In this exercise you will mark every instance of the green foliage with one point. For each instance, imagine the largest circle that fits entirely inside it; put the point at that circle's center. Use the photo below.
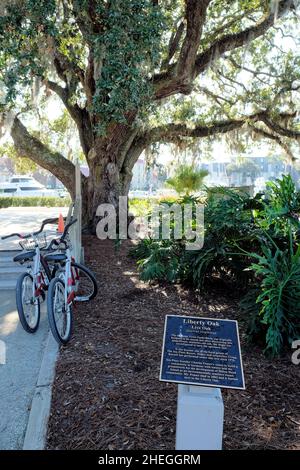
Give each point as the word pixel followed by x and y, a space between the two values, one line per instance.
pixel 161 260
pixel 281 206
pixel 278 273
pixel 187 179
pixel 36 201
pixel 125 52
pixel 142 206
pixel 251 242
pixel 139 206
pixel 21 165
pixel 228 224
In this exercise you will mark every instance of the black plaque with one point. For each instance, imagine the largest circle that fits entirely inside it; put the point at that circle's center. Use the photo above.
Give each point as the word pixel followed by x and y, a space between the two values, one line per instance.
pixel 202 351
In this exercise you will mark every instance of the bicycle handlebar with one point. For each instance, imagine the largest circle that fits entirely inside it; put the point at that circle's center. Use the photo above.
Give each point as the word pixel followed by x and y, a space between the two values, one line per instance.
pixel 56 242
pixel 67 228
pixel 45 222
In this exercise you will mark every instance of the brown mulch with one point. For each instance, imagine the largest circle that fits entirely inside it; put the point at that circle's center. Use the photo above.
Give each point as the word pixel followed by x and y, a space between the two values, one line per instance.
pixel 107 394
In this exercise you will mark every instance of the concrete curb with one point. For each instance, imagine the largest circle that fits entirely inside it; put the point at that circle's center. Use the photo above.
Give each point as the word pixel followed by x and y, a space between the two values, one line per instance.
pixel 36 432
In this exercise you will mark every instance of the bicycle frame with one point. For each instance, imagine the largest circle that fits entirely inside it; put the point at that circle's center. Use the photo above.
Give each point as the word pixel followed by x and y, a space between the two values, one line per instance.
pixel 39 268
pixel 70 279
pixel 40 281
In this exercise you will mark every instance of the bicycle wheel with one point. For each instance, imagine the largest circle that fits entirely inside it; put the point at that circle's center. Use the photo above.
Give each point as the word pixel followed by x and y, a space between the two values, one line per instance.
pixel 28 306
pixel 85 283
pixel 60 316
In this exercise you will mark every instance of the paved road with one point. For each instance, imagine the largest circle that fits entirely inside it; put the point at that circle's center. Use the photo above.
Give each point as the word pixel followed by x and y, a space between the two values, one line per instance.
pixel 24 220
pixel 18 376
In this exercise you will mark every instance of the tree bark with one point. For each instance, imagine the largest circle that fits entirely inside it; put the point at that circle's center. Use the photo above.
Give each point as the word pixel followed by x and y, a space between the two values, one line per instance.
pixel 111 161
pixel 29 146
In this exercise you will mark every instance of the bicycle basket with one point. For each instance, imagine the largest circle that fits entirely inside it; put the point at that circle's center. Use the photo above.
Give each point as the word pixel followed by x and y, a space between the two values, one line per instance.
pixel 32 243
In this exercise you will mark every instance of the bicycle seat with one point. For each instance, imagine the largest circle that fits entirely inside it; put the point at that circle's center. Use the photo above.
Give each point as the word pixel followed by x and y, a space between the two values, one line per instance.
pixel 25 256
pixel 55 257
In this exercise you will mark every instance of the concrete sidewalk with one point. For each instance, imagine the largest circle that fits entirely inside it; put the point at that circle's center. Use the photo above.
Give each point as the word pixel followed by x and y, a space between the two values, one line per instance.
pixel 18 376
pixel 24 351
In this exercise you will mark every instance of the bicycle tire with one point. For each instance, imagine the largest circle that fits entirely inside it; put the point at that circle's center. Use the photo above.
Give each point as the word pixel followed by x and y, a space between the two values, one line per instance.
pixel 20 308
pixel 51 313
pixel 92 277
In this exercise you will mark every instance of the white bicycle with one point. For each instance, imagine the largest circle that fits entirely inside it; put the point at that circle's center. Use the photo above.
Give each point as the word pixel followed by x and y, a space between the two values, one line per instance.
pixel 73 282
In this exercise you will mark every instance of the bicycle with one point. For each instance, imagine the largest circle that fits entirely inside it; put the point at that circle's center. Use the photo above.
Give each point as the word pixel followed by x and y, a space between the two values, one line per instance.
pixel 73 282
pixel 43 268
pixel 32 284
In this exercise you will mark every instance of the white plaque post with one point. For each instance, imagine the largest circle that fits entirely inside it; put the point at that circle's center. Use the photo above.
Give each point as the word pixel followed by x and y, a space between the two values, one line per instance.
pixel 200 413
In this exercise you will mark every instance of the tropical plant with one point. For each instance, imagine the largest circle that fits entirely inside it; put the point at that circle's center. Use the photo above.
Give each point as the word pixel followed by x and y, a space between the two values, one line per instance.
pixel 160 260
pixel 278 275
pixel 187 179
pixel 280 207
pixel 250 241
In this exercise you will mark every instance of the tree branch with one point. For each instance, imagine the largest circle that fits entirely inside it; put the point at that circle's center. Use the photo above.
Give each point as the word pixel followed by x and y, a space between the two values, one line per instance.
pixel 277 139
pixel 66 70
pixel 169 83
pixel 233 41
pixel 195 14
pixel 174 132
pixel 173 44
pixel 79 115
pixel 29 146
pixel 215 96
pixel 278 129
pixel 254 72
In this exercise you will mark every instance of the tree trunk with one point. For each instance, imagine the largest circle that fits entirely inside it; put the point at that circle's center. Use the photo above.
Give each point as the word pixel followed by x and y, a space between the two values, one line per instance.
pixel 105 184
pixel 111 161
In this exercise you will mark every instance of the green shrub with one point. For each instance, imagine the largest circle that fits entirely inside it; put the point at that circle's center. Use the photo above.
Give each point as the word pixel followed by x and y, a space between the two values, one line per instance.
pixel 37 201
pixel 278 301
pixel 162 261
pixel 140 206
pixel 250 241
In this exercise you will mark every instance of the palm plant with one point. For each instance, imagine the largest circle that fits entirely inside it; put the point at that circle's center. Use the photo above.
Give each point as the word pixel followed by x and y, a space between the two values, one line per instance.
pixel 187 180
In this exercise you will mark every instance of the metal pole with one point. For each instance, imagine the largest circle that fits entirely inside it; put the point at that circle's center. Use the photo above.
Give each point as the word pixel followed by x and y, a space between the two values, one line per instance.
pixel 78 204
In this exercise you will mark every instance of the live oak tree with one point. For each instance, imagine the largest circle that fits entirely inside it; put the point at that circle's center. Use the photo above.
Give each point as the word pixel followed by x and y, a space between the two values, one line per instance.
pixel 133 73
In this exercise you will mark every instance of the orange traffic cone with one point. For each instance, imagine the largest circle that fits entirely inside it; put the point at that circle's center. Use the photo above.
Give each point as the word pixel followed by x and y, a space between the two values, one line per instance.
pixel 61 224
